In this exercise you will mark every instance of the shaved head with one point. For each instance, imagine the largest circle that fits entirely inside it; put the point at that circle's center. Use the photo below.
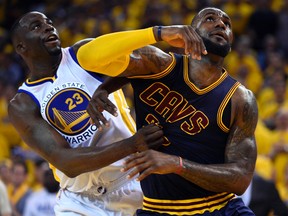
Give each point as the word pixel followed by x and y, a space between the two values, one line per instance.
pixel 203 12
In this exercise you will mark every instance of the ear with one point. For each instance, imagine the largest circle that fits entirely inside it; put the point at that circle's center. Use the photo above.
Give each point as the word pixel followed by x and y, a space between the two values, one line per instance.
pixel 20 48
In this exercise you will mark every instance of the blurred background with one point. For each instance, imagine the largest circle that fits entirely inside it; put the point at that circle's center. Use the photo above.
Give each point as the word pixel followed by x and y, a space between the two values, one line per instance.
pixel 259 60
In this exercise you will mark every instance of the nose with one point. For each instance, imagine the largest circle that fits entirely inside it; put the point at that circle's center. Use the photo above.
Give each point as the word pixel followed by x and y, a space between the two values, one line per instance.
pixel 220 23
pixel 48 27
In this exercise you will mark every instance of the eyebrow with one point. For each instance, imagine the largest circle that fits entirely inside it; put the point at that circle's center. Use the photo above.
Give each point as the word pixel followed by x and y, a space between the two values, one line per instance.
pixel 214 13
pixel 37 21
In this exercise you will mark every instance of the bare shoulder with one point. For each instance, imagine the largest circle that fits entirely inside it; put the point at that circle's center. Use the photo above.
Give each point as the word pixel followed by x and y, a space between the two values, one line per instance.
pixel 148 60
pixel 80 43
pixel 244 108
pixel 21 107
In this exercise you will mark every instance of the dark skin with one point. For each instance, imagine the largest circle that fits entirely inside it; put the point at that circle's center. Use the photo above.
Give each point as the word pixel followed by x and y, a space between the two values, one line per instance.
pixel 240 153
pixel 38 43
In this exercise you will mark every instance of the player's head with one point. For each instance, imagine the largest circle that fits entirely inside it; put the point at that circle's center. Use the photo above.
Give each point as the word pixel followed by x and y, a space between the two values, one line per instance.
pixel 33 34
pixel 214 27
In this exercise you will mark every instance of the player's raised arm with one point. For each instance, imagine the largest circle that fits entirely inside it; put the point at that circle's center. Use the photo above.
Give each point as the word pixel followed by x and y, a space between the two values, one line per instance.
pixel 101 55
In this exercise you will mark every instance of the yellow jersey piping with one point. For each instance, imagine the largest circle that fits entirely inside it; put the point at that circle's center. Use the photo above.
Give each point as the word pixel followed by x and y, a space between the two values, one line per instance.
pixel 223 105
pixel 193 86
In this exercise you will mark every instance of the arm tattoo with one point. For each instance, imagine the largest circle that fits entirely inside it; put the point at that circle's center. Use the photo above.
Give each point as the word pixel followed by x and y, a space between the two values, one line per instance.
pixel 235 174
pixel 147 60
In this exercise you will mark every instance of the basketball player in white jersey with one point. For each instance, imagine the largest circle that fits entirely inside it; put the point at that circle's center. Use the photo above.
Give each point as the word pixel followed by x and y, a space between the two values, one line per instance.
pixel 49 112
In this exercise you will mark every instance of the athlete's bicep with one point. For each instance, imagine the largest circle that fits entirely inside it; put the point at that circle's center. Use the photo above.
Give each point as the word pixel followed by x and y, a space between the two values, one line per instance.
pixel 241 145
pixel 24 114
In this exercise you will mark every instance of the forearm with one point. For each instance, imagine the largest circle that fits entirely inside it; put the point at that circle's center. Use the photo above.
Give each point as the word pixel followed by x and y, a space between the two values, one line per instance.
pixel 217 178
pixel 100 53
pixel 76 161
pixel 48 143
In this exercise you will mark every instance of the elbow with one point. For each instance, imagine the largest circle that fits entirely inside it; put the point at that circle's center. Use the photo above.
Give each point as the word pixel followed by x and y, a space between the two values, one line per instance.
pixel 69 171
pixel 240 190
pixel 66 166
pixel 70 174
pixel 242 185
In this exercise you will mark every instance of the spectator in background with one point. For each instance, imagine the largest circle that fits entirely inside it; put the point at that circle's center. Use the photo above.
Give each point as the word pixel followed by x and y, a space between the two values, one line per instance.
pixel 19 190
pixel 262 22
pixel 263 198
pixel 5 171
pixel 5 207
pixel 275 64
pixel 272 98
pixel 239 12
pixel 243 65
pixel 282 31
pixel 283 187
pixel 40 166
pixel 271 46
pixel 42 202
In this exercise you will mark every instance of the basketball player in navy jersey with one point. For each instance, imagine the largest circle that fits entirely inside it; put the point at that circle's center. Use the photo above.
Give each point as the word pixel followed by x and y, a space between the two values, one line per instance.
pixel 49 112
pixel 208 118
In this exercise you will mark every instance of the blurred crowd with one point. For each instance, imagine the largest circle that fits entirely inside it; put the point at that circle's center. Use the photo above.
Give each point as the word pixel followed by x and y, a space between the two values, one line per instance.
pixel 259 60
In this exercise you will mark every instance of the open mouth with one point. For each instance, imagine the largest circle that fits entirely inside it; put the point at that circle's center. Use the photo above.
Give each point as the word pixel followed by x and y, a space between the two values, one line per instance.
pixel 52 38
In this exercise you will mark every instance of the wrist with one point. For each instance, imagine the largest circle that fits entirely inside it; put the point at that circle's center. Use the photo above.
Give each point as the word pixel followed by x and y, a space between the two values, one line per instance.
pixel 158 33
pixel 180 166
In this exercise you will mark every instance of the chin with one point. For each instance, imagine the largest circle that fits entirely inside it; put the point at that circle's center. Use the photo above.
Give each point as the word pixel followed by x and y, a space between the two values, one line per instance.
pixel 56 51
pixel 216 48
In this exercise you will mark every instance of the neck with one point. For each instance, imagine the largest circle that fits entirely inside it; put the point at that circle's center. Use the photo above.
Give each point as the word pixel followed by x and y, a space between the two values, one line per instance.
pixel 42 68
pixel 206 71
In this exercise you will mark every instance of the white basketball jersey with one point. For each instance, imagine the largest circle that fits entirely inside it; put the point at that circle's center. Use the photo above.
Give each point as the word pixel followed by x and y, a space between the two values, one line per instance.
pixel 63 100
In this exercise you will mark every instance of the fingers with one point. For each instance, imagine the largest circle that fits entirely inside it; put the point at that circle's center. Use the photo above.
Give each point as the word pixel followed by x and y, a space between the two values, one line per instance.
pixel 98 103
pixel 96 116
pixel 153 136
pixel 151 128
pixel 109 106
pixel 194 44
pixel 139 164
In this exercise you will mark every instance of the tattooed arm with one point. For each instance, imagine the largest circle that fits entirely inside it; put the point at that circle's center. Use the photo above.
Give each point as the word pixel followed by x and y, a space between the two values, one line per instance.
pixel 236 174
pixel 147 60
pixel 240 155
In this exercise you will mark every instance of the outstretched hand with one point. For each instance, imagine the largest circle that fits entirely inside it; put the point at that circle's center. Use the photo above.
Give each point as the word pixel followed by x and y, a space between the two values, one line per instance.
pixel 98 103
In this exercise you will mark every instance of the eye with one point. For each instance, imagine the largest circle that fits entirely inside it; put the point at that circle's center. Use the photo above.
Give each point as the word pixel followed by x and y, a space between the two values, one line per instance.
pixel 50 22
pixel 36 26
pixel 228 24
pixel 209 18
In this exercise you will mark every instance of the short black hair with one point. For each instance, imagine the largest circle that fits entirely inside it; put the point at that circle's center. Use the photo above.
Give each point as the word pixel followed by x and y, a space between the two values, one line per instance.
pixel 14 29
pixel 21 162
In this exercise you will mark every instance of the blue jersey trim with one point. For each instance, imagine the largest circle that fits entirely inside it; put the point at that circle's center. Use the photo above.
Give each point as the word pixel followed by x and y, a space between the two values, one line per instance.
pixel 73 55
pixel 31 95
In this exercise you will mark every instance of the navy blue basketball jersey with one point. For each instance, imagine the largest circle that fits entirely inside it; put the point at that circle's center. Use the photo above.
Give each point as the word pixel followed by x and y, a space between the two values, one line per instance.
pixel 196 125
